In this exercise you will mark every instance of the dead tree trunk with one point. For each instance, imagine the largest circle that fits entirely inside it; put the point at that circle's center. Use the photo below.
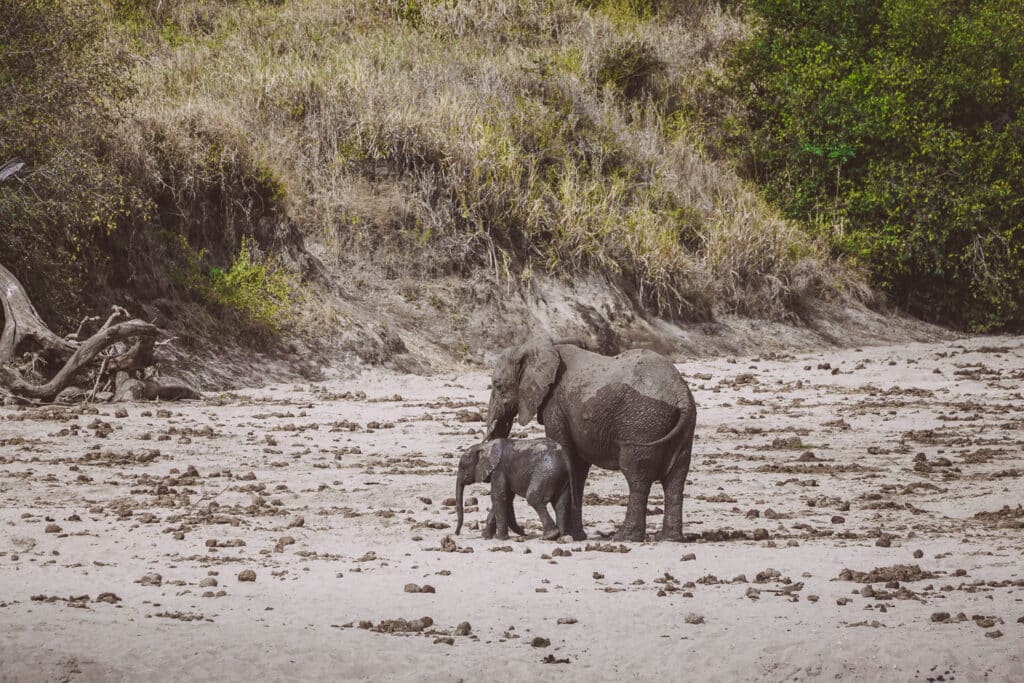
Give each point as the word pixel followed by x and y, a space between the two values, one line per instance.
pixel 24 330
pixel 22 323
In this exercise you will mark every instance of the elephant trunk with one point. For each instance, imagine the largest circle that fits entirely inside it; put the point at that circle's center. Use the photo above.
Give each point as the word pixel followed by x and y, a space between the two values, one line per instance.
pixel 460 485
pixel 499 418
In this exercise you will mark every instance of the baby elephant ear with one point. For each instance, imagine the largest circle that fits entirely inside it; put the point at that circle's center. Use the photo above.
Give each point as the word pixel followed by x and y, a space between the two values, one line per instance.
pixel 489 460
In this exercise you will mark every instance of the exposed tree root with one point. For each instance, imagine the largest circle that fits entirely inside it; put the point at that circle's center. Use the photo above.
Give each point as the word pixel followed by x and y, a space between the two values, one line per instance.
pixel 24 332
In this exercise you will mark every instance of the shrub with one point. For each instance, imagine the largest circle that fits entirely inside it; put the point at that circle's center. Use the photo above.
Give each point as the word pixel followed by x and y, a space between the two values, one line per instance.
pixel 60 86
pixel 895 128
pixel 254 291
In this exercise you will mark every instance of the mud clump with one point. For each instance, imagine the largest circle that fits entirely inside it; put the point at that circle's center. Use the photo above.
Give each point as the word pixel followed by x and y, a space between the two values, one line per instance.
pixel 1004 518
pixel 402 625
pixel 897 572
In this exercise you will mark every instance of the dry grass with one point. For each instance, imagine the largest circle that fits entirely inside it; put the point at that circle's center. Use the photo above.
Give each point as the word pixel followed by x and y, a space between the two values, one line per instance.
pixel 508 137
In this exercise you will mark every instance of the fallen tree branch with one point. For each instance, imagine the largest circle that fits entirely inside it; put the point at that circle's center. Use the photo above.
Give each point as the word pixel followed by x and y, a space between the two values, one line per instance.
pixel 82 356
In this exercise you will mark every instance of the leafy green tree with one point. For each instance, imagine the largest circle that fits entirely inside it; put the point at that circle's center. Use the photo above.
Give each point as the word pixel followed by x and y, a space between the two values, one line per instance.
pixel 896 128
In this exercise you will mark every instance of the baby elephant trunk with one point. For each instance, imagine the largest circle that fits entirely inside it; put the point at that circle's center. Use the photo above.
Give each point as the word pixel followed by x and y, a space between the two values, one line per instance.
pixel 460 485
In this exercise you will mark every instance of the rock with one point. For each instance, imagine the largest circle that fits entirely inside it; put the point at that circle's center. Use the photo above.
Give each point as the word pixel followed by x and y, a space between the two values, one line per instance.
pixel 753 593
pixel 109 598
pixel 688 557
pixel 994 634
pixel 166 388
pixel 693 618
pixel 296 521
pixel 463 629
pixel 465 415
pixel 883 541
pixel 838 519
pixel 208 582
pixel 152 579
pixel 70 395
pixel 448 503
pixel 427 588
pixel 940 616
pixel 812 598
pixel 448 545
pixel 566 620
pixel 842 601
pixel 411 588
pixel 760 535
pixel 444 640
pixel 247 575
pixel 918 554
pixel 53 529
pixel 540 642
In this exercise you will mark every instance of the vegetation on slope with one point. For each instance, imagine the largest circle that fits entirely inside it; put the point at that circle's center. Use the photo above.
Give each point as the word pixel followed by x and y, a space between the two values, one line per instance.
pixel 895 128
pixel 486 137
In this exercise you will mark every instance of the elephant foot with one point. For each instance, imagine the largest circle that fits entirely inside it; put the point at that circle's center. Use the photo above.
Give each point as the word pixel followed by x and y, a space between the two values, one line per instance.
pixel 501 536
pixel 634 535
pixel 671 536
pixel 551 534
pixel 487 534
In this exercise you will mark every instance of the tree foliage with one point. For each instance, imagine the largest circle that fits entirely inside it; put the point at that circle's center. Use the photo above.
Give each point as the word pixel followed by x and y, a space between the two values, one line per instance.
pixel 896 128
pixel 59 88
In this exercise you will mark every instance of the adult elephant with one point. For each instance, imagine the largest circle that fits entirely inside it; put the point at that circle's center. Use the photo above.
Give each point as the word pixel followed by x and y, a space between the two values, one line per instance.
pixel 631 412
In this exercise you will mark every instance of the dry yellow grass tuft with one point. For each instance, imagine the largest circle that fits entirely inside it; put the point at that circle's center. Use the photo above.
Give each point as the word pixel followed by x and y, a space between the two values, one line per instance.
pixel 508 137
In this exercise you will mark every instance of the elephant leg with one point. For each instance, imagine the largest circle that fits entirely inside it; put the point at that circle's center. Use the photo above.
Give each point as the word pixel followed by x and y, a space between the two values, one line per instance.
pixel 536 500
pixel 673 483
pixel 488 531
pixel 563 509
pixel 581 469
pixel 501 500
pixel 634 528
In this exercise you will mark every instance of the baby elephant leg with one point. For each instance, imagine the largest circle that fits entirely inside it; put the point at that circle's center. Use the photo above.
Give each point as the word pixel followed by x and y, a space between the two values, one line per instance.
pixel 501 503
pixel 488 531
pixel 538 503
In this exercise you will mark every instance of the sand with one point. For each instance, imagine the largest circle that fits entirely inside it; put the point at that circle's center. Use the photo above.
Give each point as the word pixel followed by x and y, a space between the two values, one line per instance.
pixel 810 472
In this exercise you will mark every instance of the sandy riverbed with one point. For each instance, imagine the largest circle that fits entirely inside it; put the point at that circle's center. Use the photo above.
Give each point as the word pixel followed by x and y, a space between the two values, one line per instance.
pixel 887 456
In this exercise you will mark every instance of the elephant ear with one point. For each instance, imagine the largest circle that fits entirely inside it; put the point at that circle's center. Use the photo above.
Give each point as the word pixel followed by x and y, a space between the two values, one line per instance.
pixel 538 363
pixel 489 460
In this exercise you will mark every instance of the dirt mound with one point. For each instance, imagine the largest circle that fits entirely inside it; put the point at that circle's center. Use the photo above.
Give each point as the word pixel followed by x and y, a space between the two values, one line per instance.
pixel 897 572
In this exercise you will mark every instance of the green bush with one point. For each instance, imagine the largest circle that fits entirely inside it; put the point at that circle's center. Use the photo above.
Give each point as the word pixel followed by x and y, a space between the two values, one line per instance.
pixel 60 86
pixel 896 129
pixel 254 292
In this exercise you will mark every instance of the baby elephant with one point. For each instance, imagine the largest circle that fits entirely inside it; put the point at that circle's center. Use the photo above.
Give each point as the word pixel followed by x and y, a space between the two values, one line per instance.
pixel 536 469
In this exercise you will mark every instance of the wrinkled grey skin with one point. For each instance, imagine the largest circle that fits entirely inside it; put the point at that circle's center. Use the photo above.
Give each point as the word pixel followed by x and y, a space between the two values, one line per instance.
pixel 536 469
pixel 631 412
